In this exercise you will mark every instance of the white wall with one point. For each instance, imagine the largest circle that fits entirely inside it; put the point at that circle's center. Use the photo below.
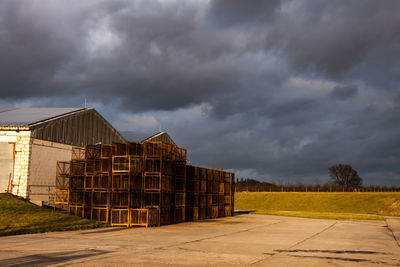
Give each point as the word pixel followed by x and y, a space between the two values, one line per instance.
pixel 6 165
pixel 42 171
pixel 22 141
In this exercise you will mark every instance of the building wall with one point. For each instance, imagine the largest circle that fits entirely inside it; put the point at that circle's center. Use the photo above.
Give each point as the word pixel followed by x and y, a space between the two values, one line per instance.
pixel 22 148
pixel 42 172
pixel 6 165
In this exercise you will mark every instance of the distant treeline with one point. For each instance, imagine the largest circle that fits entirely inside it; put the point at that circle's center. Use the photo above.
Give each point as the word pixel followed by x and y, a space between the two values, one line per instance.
pixel 251 185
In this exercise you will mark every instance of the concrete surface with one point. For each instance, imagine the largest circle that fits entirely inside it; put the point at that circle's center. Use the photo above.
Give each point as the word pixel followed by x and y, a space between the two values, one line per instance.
pixel 257 240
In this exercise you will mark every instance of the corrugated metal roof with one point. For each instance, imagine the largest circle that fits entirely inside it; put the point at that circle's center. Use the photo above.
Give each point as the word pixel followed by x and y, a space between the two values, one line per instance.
pixel 26 116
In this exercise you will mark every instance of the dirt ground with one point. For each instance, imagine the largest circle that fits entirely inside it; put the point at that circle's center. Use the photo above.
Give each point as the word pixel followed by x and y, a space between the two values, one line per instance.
pixel 244 240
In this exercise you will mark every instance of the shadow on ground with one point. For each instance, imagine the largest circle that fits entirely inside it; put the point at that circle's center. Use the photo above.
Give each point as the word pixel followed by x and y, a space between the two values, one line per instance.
pixel 50 258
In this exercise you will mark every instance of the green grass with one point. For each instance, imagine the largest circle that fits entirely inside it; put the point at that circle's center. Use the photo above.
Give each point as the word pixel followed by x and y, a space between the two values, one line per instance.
pixel 321 205
pixel 18 216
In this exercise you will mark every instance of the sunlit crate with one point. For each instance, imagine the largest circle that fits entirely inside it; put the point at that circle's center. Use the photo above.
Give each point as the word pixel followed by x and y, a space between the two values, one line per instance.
pixel 63 169
pixel 120 199
pixel 92 151
pixel 100 198
pixel 153 217
pixel 139 217
pixel 77 182
pixel 120 181
pixel 61 196
pixel 135 149
pixel 88 181
pixel 228 210
pixel 221 188
pixel 101 181
pixel 62 182
pixel 126 164
pixel 152 165
pixel 76 197
pixel 119 217
pixel 76 210
pixel 152 181
pixel 100 214
pixel 167 167
pixel 168 151
pixel 180 155
pixel 227 200
pixel 152 149
pixel 78 153
pixel 120 149
pixel 78 167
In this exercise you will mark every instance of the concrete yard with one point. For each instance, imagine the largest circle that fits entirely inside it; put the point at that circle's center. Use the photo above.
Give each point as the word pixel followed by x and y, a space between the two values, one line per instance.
pixel 258 240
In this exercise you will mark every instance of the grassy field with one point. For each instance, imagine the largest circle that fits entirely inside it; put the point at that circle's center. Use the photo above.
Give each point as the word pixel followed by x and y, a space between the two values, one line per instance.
pixel 321 205
pixel 21 217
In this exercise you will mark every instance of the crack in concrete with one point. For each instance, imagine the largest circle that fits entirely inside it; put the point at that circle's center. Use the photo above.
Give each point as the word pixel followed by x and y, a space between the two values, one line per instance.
pixel 298 243
pixel 392 233
pixel 217 236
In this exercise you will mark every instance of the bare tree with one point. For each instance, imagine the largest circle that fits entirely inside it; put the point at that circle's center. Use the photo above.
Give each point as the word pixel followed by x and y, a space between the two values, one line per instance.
pixel 345 176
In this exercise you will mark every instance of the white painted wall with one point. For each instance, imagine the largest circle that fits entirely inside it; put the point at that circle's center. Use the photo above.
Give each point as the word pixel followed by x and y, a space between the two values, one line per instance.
pixel 6 165
pixel 42 171
pixel 22 141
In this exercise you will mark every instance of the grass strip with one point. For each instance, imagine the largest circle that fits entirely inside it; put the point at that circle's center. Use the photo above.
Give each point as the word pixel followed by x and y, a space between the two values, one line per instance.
pixel 321 215
pixel 18 216
pixel 324 205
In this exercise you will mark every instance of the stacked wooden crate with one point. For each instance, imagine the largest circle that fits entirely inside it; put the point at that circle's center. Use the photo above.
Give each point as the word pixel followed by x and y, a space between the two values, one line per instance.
pixel 140 184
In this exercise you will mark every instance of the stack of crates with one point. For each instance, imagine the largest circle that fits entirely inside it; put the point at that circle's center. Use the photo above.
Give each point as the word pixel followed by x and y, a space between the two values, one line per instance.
pixel 192 193
pixel 62 188
pixel 126 183
pixel 203 197
pixel 140 184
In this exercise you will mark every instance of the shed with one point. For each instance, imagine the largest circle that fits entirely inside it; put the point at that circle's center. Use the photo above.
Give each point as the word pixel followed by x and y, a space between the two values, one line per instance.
pixel 33 139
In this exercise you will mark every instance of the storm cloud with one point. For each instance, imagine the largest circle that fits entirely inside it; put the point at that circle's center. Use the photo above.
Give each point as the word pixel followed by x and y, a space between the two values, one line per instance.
pixel 273 90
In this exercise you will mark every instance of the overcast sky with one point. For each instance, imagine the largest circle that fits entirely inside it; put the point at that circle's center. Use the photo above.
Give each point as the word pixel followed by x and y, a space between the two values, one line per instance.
pixel 273 90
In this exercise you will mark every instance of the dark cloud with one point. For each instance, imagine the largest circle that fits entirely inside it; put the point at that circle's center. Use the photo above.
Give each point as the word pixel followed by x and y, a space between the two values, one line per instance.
pixel 271 89
pixel 237 12
pixel 344 92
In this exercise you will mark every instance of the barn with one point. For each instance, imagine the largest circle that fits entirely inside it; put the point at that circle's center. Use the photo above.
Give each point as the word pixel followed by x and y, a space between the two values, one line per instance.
pixel 33 139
